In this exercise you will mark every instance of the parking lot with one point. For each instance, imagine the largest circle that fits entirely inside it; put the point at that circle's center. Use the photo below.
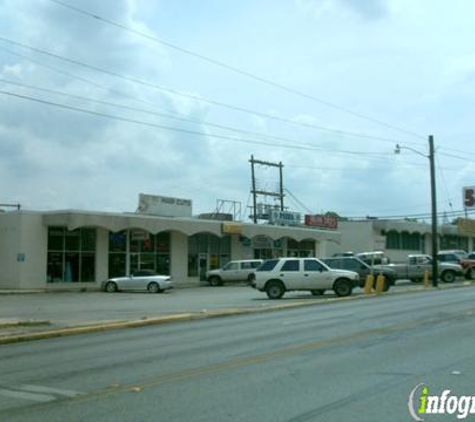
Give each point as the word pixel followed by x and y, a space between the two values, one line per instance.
pixel 36 312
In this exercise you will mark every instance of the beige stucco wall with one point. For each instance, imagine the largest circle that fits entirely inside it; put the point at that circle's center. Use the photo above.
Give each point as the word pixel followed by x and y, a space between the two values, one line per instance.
pixel 9 246
pixel 22 234
pixel 179 260
pixel 355 237
pixel 102 255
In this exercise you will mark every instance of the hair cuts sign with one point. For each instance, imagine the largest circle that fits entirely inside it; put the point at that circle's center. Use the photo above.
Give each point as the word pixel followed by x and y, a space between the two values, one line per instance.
pixel 164 206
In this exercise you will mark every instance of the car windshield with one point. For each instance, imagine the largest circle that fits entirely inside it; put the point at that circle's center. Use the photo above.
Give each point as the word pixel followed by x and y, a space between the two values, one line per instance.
pixel 268 265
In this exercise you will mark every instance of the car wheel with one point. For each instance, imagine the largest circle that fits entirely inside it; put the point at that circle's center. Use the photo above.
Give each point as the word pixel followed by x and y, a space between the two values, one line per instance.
pixel 250 278
pixel 215 281
pixel 275 289
pixel 318 292
pixel 448 277
pixel 470 274
pixel 342 288
pixel 153 287
pixel 111 287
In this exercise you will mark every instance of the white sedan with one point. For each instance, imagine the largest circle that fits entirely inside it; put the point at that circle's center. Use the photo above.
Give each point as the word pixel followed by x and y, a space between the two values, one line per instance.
pixel 144 280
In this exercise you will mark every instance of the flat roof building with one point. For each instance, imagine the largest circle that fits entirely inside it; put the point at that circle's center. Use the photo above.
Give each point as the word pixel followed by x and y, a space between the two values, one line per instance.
pixel 74 249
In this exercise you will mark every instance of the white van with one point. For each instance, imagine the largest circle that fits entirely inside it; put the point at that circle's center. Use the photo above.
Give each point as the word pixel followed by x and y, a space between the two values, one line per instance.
pixel 233 271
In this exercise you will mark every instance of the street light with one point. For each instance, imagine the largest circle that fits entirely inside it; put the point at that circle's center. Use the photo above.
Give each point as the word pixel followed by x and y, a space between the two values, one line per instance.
pixel 433 194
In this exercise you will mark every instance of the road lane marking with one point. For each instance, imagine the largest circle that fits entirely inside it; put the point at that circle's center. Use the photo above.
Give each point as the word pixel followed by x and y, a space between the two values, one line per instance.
pixel 37 393
pixel 54 391
pixel 26 396
pixel 318 319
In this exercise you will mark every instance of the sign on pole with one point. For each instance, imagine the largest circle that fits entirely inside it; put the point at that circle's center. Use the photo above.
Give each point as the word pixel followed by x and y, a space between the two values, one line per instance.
pixel 469 197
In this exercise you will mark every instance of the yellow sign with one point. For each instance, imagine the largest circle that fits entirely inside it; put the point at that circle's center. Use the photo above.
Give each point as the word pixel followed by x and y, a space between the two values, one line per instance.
pixel 232 228
pixel 466 227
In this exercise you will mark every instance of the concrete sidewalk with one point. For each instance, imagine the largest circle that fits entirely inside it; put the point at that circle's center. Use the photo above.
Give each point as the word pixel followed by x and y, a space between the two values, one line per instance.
pixel 29 316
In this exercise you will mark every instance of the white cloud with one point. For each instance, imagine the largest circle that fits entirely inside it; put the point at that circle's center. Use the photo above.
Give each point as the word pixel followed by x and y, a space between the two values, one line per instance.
pixel 375 58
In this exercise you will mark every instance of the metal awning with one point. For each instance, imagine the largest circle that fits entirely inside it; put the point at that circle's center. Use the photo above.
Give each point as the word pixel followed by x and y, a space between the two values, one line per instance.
pixel 115 222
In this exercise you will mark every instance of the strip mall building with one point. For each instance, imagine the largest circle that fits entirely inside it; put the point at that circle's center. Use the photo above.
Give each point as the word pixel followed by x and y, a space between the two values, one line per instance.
pixel 70 249
pixel 57 250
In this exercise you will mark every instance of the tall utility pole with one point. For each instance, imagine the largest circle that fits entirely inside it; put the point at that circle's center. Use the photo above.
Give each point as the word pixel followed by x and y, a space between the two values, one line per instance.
pixel 433 192
pixel 254 196
pixel 433 199
pixel 280 195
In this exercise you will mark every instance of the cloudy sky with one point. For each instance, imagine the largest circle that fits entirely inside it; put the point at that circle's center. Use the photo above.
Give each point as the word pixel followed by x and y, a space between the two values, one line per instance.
pixel 172 97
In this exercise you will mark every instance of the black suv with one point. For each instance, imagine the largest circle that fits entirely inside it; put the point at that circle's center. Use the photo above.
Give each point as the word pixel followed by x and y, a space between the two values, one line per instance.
pixel 362 268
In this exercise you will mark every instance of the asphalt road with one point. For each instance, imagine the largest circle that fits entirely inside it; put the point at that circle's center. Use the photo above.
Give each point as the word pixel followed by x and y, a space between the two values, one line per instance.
pixel 347 361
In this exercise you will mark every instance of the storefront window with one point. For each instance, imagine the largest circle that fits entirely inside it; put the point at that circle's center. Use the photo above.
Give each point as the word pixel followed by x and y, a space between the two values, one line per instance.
pixel 393 240
pixel 71 255
pixel 411 241
pixel 136 249
pixel 454 242
pixel 302 249
pixel 206 251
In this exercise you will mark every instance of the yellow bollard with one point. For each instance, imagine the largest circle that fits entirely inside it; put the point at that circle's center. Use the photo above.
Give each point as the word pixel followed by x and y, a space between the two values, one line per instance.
pixel 369 284
pixel 426 278
pixel 380 280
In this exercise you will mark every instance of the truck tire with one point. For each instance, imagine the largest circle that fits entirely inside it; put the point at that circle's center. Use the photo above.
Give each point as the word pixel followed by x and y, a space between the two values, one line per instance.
pixel 470 274
pixel 416 280
pixel 215 281
pixel 275 289
pixel 342 287
pixel 448 276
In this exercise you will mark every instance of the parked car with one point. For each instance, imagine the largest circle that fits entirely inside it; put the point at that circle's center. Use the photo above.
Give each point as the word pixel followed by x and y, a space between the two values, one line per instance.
pixel 417 264
pixel 362 268
pixel 338 254
pixel 277 276
pixel 457 256
pixel 233 271
pixel 142 280
pixel 373 258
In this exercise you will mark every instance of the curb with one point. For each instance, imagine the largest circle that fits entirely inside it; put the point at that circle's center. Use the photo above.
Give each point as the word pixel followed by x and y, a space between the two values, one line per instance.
pixel 144 322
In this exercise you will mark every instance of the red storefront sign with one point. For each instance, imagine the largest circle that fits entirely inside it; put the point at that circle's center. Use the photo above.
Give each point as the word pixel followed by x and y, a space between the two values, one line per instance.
pixel 321 221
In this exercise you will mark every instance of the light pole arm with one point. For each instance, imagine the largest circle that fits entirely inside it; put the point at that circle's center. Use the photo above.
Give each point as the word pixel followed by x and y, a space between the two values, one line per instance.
pixel 433 195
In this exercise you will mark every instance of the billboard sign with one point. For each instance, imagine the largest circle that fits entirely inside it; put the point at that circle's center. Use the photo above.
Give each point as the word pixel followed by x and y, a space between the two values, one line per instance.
pixel 285 218
pixel 321 221
pixel 164 206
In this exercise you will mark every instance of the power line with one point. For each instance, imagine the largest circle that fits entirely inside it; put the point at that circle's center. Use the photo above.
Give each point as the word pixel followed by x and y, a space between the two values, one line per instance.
pixel 455 156
pixel 185 95
pixel 453 214
pixel 154 113
pixel 444 184
pixel 305 147
pixel 298 201
pixel 235 69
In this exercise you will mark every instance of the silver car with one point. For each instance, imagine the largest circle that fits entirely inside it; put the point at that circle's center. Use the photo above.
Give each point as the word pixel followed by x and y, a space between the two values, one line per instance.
pixel 143 280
